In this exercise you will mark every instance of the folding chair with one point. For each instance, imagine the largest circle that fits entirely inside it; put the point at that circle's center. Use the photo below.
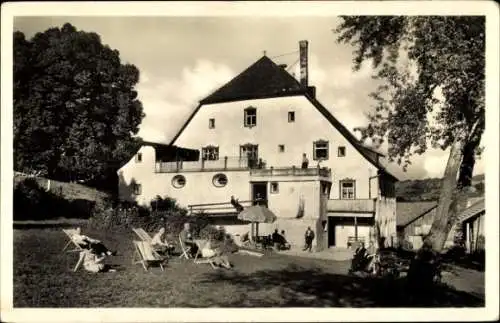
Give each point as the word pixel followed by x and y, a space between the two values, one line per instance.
pixel 70 233
pixel 185 249
pixel 143 235
pixel 198 259
pixel 147 256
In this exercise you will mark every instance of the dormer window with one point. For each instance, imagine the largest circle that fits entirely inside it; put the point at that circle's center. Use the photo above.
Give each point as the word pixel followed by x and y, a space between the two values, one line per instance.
pixel 211 123
pixel 320 150
pixel 210 153
pixel 291 116
pixel 250 117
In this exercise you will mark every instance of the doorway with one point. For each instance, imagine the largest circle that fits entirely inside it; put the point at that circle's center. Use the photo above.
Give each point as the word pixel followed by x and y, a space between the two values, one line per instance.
pixel 259 193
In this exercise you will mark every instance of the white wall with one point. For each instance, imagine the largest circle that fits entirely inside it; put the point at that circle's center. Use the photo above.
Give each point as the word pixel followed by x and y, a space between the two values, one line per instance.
pixel 274 129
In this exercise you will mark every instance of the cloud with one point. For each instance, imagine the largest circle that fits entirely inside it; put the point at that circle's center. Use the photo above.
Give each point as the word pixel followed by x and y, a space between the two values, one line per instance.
pixel 168 101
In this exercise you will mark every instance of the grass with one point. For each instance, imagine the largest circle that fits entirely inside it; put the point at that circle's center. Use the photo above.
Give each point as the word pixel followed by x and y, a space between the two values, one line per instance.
pixel 43 277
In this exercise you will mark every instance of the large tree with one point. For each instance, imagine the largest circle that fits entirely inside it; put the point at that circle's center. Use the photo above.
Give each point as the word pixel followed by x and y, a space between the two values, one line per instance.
pixel 76 110
pixel 425 65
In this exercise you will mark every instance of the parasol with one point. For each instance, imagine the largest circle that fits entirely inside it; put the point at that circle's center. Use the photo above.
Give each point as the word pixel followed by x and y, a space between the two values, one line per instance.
pixel 257 214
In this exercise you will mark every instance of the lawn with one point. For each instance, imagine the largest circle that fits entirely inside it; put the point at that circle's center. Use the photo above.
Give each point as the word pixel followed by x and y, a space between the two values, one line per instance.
pixel 43 277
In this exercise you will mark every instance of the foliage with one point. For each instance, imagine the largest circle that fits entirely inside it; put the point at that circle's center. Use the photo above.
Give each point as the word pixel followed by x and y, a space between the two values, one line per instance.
pixel 75 106
pixel 162 204
pixel 425 64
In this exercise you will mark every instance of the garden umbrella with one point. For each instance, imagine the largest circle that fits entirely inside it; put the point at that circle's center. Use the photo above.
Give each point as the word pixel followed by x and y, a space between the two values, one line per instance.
pixel 257 214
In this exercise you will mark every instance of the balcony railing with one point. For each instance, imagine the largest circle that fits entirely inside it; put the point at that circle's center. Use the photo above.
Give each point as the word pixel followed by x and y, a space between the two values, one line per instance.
pixel 222 208
pixel 291 171
pixel 225 163
pixel 360 205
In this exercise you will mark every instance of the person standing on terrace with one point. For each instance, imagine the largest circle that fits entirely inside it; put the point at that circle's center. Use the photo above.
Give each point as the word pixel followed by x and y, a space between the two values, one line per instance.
pixel 305 161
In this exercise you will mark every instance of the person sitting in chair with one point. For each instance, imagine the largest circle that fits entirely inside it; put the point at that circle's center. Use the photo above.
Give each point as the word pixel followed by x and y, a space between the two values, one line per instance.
pixel 88 243
pixel 236 204
pixel 279 241
pixel 92 262
pixel 219 258
pixel 159 244
pixel 372 256
pixel 187 239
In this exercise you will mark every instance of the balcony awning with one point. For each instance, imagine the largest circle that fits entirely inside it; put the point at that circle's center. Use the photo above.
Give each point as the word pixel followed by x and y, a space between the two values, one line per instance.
pixel 171 153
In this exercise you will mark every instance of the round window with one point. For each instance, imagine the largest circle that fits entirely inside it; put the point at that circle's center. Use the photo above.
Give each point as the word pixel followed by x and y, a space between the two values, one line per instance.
pixel 220 180
pixel 178 181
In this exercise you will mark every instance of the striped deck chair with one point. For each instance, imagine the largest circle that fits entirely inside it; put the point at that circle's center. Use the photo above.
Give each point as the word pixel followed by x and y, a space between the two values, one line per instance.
pixel 143 235
pixel 70 233
pixel 184 249
pixel 198 259
pixel 146 255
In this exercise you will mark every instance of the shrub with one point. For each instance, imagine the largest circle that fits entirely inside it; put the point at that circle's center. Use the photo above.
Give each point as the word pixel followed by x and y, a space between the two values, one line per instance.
pixel 166 204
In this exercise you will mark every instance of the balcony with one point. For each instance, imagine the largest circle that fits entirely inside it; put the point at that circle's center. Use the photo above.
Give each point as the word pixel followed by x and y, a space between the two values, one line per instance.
pixel 355 206
pixel 225 163
pixel 291 171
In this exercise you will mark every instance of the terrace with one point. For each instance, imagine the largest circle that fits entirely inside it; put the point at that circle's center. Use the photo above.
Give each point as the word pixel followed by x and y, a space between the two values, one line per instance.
pixel 225 163
pixel 238 163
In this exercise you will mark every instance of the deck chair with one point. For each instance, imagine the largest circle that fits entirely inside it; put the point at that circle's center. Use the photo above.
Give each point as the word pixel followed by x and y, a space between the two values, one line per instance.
pixel 70 233
pixel 184 249
pixel 198 259
pixel 143 235
pixel 146 255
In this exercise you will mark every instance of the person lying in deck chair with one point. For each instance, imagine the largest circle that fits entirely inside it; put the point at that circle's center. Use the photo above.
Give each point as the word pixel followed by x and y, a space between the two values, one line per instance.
pixel 88 243
pixel 218 257
pixel 159 244
pixel 92 262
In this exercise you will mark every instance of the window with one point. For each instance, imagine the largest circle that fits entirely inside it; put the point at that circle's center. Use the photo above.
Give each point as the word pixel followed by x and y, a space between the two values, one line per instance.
pixel 291 116
pixel 274 187
pixel 137 189
pixel 347 189
pixel 219 180
pixel 341 152
pixel 210 153
pixel 320 151
pixel 249 151
pixel 178 181
pixel 281 148
pixel 211 123
pixel 250 117
pixel 138 158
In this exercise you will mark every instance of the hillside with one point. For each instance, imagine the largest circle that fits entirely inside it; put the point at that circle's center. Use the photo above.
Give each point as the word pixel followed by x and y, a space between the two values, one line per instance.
pixel 68 191
pixel 428 189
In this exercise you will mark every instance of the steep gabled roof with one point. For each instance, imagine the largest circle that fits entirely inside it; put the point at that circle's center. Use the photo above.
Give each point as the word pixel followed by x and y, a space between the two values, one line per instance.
pixel 262 79
pixel 265 79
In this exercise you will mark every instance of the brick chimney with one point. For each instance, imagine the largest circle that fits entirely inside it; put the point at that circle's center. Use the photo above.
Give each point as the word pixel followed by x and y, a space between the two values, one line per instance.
pixel 304 73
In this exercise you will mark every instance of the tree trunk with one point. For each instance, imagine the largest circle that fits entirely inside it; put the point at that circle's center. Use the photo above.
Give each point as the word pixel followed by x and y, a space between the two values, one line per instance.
pixel 467 166
pixel 448 204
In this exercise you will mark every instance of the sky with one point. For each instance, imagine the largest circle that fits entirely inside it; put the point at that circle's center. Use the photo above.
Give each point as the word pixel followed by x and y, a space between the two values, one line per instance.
pixel 183 59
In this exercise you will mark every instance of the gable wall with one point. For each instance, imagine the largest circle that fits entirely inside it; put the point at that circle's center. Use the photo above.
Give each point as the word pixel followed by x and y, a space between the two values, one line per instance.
pixel 274 129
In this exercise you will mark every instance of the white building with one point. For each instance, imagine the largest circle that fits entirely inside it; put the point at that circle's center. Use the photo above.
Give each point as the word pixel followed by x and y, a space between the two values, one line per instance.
pixel 252 134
